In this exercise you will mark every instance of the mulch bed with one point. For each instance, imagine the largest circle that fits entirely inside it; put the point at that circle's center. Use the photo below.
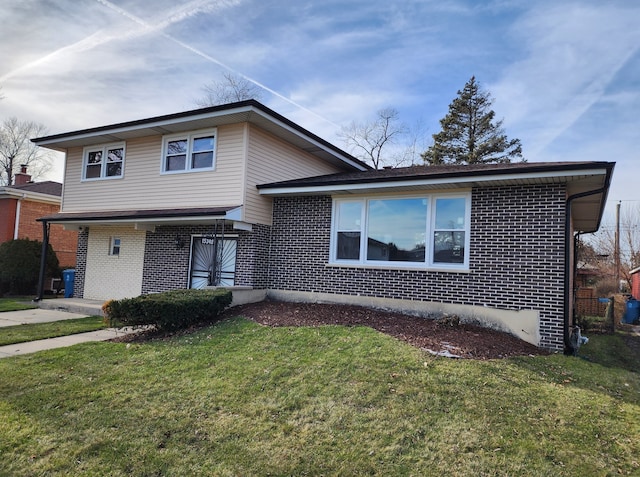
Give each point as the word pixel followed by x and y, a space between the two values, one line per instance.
pixel 441 336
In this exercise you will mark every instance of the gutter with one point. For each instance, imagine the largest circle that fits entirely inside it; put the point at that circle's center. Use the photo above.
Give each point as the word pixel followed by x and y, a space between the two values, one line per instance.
pixel 568 268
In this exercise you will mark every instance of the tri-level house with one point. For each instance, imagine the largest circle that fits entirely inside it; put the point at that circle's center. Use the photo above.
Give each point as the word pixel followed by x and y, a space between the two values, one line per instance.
pixel 239 196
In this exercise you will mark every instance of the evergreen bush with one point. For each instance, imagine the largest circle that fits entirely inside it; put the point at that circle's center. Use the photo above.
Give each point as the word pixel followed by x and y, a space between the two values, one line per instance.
pixel 169 311
pixel 20 266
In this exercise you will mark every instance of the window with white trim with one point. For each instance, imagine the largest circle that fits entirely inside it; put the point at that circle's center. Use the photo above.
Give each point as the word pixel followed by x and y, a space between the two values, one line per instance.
pixel 114 246
pixel 414 231
pixel 189 152
pixel 103 162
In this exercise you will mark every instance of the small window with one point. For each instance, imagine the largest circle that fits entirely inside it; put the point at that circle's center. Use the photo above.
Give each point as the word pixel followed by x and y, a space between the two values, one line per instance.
pixel 449 230
pixel 189 152
pixel 103 162
pixel 114 249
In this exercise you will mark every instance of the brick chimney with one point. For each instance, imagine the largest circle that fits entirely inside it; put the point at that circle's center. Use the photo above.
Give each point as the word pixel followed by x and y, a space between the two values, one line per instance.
pixel 21 177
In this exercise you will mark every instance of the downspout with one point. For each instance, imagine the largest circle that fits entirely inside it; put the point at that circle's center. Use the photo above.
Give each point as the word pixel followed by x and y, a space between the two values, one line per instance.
pixel 43 259
pixel 16 226
pixel 568 348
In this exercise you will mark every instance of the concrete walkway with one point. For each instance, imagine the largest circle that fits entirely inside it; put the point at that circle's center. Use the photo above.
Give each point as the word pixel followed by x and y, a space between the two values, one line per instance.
pixel 37 315
pixel 62 341
pixel 40 315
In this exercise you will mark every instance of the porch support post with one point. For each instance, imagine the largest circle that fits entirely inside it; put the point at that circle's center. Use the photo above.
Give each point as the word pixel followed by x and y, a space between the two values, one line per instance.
pixel 43 259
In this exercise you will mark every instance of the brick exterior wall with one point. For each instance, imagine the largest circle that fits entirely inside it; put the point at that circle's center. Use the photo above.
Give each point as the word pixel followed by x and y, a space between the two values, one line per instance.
pixel 167 268
pixel 81 264
pixel 7 219
pixel 516 257
pixel 64 242
pixel 114 276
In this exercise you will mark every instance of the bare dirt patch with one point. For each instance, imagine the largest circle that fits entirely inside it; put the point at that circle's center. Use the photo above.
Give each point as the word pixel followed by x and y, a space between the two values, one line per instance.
pixel 441 336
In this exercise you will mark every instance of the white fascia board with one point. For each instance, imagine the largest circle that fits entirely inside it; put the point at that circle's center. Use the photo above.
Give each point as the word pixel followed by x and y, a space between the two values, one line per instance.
pixel 144 125
pixel 34 196
pixel 425 182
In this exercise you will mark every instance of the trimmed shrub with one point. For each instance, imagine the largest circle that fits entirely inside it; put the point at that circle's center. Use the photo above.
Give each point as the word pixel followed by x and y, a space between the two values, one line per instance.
pixel 20 266
pixel 169 311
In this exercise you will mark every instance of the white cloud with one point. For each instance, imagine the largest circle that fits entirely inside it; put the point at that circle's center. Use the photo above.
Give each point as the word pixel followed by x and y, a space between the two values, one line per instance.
pixel 573 54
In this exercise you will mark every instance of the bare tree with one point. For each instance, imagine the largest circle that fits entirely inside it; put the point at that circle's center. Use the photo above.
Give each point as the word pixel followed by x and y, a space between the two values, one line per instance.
pixel 230 89
pixel 368 140
pixel 604 241
pixel 16 149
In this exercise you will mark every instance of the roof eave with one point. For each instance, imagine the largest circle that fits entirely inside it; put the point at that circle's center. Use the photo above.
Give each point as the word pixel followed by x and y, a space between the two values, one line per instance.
pixel 27 195
pixel 398 183
pixel 250 111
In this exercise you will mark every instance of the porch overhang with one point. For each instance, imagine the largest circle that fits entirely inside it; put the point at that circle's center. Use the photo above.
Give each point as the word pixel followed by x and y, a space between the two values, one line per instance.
pixel 146 219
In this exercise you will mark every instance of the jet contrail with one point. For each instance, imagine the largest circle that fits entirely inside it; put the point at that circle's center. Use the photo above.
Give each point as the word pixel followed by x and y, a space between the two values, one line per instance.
pixel 162 25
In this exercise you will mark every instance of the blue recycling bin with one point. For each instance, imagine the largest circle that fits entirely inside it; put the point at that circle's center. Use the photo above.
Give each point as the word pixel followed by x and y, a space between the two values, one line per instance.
pixel 632 313
pixel 68 277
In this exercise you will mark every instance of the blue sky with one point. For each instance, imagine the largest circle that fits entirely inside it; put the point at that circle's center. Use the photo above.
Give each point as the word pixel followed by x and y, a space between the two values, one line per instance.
pixel 564 75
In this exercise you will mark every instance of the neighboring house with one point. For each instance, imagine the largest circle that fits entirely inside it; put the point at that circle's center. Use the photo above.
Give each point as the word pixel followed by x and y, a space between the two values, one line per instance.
pixel 635 283
pixel 23 203
pixel 237 195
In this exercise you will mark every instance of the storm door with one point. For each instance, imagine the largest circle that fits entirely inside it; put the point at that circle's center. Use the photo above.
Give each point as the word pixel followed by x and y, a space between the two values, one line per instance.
pixel 213 262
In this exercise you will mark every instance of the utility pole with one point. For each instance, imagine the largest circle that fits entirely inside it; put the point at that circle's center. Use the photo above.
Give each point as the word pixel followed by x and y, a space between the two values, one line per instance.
pixel 617 246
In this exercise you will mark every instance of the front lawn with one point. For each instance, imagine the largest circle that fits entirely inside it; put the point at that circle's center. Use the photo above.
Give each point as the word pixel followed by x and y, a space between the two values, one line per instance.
pixel 241 399
pixel 39 331
pixel 15 304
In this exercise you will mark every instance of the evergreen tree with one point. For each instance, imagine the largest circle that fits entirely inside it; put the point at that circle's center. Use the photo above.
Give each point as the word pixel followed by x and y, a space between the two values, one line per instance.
pixel 469 134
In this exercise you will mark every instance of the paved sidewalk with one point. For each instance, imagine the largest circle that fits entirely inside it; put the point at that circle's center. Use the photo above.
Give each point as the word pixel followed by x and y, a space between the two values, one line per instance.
pixel 39 315
pixel 63 341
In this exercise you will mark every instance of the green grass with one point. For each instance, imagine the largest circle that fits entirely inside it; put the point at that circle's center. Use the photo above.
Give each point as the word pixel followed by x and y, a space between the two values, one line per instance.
pixel 39 331
pixel 14 304
pixel 241 399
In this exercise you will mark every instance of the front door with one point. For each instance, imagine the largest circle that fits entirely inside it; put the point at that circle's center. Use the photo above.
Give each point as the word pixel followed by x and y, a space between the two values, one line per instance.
pixel 213 262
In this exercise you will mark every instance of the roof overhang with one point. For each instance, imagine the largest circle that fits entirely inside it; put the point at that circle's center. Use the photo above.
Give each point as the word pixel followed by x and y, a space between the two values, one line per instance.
pixel 579 178
pixel 10 193
pixel 250 111
pixel 145 219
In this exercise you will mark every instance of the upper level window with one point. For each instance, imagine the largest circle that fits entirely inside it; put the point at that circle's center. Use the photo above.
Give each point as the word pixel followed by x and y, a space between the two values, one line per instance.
pixel 429 230
pixel 189 152
pixel 103 162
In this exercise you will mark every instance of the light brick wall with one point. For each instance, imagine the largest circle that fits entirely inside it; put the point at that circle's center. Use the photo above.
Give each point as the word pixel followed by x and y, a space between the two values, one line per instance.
pixel 114 276
pixel 516 257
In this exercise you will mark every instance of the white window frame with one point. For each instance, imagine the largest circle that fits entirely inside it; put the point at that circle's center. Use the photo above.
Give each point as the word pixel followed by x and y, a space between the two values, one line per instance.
pixel 115 242
pixel 102 148
pixel 429 233
pixel 189 137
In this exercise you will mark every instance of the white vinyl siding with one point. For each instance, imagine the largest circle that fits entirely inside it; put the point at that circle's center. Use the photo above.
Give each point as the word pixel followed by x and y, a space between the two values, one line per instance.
pixel 144 187
pixel 271 160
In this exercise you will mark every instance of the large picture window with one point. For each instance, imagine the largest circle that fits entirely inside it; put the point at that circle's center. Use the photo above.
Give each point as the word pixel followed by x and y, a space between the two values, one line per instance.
pixel 189 152
pixel 423 231
pixel 103 162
